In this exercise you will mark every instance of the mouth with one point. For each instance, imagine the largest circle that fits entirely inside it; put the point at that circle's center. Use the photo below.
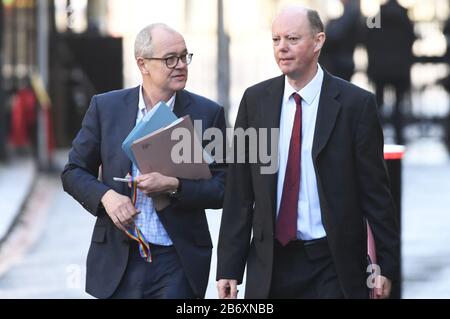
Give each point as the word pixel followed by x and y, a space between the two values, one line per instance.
pixel 285 60
pixel 179 76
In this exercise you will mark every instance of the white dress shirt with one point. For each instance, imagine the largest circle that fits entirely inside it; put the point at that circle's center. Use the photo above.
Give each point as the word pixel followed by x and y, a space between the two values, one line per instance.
pixel 309 221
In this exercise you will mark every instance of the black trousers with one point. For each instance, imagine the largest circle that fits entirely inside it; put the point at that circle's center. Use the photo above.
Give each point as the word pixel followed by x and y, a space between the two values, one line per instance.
pixel 163 278
pixel 304 269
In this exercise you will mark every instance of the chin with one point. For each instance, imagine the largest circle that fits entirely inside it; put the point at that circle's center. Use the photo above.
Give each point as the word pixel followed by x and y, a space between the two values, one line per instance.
pixel 179 86
pixel 285 70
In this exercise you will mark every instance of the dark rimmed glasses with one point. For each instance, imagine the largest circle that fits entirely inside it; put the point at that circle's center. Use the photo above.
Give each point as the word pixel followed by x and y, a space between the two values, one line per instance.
pixel 172 61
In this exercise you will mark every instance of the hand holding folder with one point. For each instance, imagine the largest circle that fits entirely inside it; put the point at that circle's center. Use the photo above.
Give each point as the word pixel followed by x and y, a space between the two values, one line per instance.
pixel 149 146
pixel 154 152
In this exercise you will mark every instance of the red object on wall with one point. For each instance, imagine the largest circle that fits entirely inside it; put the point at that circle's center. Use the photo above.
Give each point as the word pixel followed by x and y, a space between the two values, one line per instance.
pixel 23 117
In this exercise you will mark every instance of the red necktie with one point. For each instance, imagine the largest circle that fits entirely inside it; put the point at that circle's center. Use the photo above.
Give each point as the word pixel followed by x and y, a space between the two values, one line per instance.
pixel 286 228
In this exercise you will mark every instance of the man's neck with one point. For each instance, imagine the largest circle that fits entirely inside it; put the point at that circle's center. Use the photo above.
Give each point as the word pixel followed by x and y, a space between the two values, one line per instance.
pixel 153 96
pixel 302 80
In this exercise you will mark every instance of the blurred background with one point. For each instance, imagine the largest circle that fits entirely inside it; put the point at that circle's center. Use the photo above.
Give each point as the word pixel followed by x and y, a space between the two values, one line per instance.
pixel 56 54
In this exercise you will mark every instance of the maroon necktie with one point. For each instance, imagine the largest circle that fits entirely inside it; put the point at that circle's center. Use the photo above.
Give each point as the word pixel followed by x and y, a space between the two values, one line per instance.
pixel 286 228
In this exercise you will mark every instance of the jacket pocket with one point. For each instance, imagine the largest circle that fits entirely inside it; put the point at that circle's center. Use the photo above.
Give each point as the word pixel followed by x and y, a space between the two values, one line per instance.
pixel 99 234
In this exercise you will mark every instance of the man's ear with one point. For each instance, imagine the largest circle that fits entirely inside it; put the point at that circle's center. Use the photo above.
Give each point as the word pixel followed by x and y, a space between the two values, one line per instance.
pixel 141 65
pixel 320 40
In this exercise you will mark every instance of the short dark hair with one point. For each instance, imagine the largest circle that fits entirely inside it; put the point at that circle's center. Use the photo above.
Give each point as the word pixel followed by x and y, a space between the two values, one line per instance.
pixel 315 22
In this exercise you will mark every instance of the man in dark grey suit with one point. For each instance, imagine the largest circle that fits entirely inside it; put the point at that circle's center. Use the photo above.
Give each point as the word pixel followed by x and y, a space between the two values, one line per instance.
pixel 309 219
pixel 178 236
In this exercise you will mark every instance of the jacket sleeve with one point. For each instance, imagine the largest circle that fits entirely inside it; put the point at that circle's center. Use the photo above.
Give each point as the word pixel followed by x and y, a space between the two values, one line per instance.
pixel 236 223
pixel 80 175
pixel 375 196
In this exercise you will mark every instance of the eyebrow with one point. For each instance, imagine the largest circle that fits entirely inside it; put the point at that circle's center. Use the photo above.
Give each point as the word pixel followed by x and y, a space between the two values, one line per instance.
pixel 286 35
pixel 175 53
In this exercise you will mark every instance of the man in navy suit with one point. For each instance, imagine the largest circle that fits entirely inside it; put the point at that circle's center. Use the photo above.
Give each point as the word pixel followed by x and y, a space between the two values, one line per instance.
pixel 308 220
pixel 178 235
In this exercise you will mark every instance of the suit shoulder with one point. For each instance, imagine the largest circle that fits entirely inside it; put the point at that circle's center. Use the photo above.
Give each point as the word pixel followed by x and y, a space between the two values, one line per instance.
pixel 110 100
pixel 264 84
pixel 351 89
pixel 115 94
pixel 203 102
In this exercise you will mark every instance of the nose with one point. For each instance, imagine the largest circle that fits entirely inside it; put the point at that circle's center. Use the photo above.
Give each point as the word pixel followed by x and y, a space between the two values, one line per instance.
pixel 282 45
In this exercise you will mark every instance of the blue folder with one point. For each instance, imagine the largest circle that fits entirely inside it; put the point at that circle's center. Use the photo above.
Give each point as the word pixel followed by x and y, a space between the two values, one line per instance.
pixel 160 116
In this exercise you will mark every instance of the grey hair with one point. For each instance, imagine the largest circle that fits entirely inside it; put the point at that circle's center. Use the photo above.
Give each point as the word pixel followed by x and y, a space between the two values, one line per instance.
pixel 315 22
pixel 143 43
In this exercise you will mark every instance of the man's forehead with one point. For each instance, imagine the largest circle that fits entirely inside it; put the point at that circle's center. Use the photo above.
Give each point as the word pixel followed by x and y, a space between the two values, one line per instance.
pixel 293 10
pixel 291 16
pixel 168 42
pixel 290 23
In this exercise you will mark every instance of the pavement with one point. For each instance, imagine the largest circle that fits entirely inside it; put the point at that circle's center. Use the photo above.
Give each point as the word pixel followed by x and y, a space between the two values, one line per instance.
pixel 52 264
pixel 16 179
pixel 426 221
pixel 53 231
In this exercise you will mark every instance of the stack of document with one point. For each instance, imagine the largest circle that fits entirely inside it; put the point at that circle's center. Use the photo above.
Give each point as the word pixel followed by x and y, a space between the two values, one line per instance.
pixel 160 116
pixel 150 147
pixel 161 151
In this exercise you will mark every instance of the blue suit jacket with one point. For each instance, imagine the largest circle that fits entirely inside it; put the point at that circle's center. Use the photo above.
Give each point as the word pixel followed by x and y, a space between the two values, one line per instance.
pixel 109 119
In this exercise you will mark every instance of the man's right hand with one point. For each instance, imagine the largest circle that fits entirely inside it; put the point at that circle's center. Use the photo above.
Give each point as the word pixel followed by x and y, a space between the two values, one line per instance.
pixel 119 208
pixel 227 288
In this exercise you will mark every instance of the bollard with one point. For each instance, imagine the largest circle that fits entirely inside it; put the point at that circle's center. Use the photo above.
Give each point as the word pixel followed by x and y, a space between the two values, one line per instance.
pixel 393 155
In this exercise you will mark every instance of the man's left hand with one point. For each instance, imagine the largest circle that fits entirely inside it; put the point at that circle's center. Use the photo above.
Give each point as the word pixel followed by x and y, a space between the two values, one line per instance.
pixel 382 287
pixel 156 183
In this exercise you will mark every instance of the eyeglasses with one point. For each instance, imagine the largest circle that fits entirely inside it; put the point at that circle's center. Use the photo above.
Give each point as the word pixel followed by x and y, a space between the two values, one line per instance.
pixel 172 61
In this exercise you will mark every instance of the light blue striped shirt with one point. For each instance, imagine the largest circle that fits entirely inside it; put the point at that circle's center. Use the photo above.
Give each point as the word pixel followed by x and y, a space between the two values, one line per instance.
pixel 148 221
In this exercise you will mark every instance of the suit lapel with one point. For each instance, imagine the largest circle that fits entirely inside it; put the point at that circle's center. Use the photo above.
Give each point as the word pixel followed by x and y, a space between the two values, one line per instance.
pixel 327 114
pixel 126 115
pixel 270 114
pixel 182 102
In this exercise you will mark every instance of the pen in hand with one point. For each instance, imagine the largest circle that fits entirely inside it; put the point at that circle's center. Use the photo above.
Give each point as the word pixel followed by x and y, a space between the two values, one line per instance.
pixel 123 180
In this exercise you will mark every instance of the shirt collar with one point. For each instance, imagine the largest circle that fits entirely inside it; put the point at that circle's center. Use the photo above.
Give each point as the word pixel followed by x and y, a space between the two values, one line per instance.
pixel 309 92
pixel 142 106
